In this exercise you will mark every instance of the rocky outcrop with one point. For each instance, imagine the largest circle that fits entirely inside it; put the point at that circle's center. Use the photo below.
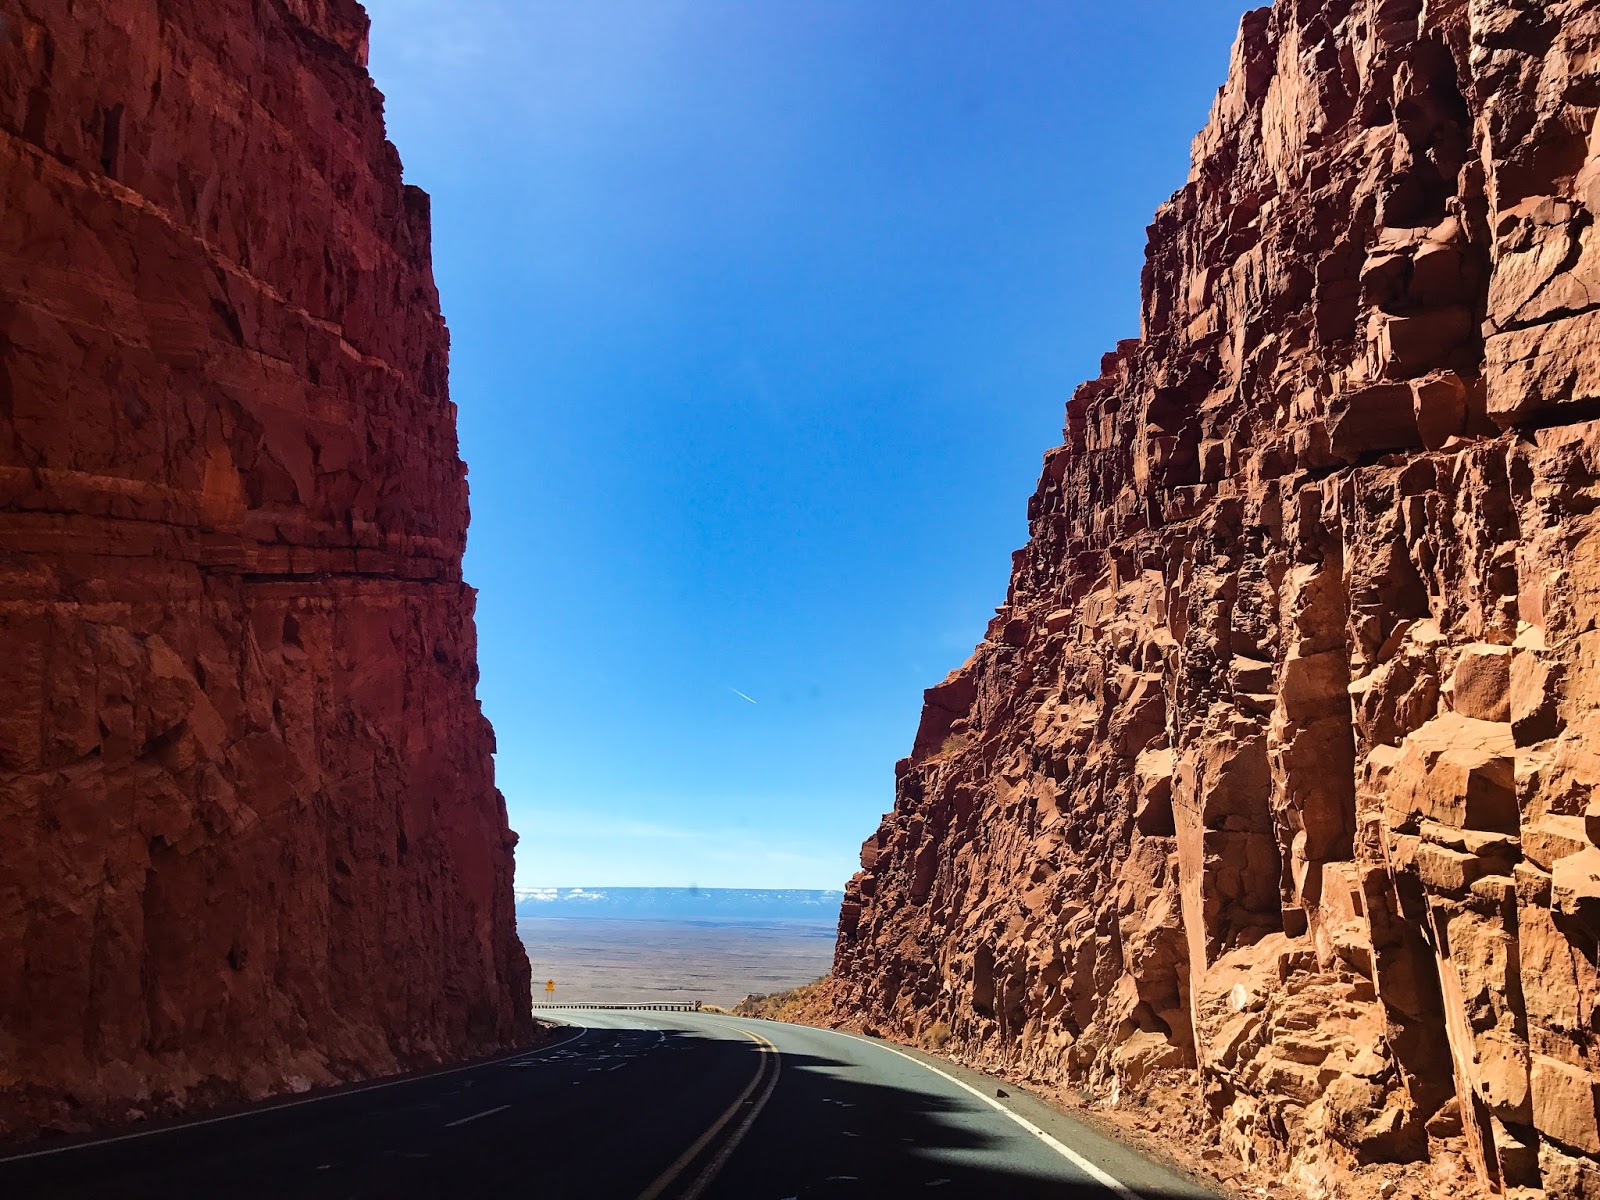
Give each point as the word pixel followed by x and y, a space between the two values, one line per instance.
pixel 1277 763
pixel 252 839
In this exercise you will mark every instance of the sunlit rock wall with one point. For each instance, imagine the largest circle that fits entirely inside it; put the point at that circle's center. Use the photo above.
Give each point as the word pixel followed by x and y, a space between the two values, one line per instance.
pixel 1278 759
pixel 251 834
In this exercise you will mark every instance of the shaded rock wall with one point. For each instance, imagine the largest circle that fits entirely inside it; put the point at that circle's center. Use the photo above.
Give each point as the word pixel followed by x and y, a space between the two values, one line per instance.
pixel 252 838
pixel 1277 761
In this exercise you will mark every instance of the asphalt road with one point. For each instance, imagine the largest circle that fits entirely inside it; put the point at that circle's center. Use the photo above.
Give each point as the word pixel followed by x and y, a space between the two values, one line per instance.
pixel 637 1106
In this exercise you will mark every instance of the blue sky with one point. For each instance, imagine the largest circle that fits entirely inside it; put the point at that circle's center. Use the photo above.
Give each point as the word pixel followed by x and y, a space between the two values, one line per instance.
pixel 763 315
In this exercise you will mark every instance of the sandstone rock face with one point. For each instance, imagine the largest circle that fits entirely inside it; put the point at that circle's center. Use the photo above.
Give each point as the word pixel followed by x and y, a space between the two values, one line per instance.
pixel 252 839
pixel 1278 760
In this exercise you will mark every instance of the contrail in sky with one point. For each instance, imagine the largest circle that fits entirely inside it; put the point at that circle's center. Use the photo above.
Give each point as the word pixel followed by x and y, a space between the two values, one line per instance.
pixel 740 694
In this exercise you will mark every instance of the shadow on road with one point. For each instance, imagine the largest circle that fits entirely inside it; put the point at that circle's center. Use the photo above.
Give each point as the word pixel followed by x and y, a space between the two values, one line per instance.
pixel 828 1133
pixel 596 1121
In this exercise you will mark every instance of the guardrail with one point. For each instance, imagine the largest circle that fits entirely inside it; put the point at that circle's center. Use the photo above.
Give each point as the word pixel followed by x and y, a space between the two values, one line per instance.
pixel 680 1006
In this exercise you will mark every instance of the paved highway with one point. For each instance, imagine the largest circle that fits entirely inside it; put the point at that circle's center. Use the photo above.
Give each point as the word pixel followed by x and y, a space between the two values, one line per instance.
pixel 637 1106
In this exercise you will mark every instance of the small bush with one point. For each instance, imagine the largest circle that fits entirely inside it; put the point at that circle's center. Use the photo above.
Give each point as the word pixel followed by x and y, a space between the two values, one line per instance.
pixel 780 1006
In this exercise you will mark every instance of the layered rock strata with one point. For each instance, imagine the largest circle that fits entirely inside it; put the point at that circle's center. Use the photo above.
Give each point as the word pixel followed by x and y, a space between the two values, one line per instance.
pixel 1278 762
pixel 252 839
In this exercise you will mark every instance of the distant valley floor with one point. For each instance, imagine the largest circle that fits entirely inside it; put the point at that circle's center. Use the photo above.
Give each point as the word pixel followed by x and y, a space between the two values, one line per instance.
pixel 611 961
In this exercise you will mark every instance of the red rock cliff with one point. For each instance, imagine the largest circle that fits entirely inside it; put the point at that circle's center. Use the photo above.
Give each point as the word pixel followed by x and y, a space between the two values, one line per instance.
pixel 1278 760
pixel 252 839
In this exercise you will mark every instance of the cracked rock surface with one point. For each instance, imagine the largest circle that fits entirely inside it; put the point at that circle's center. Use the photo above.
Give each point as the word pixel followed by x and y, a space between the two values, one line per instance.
pixel 253 841
pixel 1277 765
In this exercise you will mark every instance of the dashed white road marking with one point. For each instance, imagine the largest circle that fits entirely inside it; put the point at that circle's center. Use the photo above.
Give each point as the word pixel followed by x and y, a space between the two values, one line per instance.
pixel 296 1103
pixel 488 1112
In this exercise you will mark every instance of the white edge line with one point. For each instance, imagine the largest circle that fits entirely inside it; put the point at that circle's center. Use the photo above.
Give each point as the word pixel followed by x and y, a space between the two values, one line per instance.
pixel 1066 1152
pixel 488 1112
pixel 283 1104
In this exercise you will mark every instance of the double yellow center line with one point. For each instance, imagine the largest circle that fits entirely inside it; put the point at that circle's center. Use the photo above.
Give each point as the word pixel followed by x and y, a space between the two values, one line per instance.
pixel 766 1074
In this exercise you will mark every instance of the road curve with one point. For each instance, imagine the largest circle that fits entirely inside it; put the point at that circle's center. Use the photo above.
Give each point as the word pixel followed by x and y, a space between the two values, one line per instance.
pixel 636 1106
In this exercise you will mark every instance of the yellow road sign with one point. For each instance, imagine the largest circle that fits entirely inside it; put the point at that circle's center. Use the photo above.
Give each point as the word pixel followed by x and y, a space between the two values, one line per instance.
pixel 549 985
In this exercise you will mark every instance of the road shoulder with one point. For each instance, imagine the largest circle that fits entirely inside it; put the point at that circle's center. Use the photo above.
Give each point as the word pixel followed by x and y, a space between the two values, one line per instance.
pixel 1142 1168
